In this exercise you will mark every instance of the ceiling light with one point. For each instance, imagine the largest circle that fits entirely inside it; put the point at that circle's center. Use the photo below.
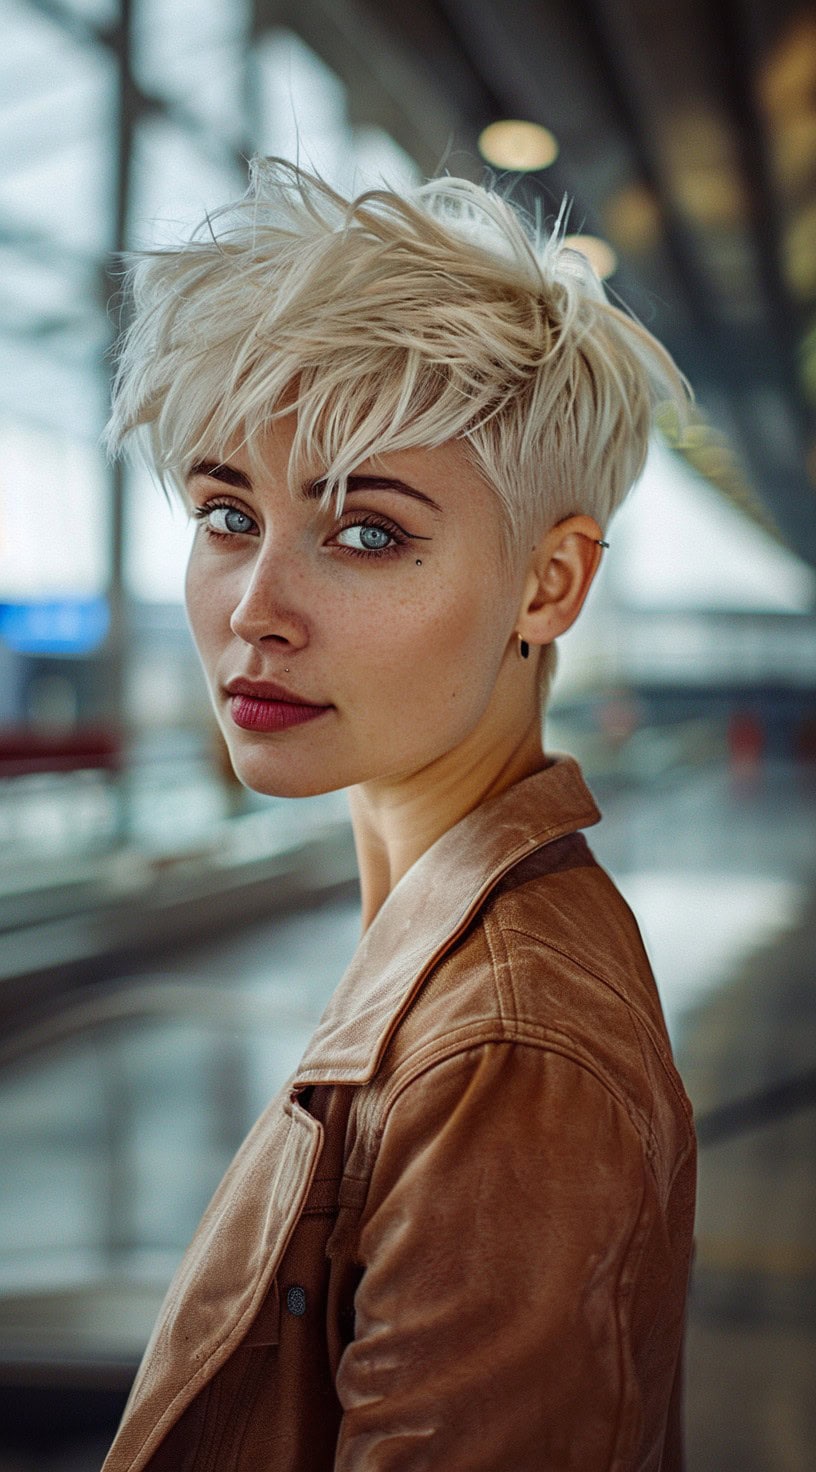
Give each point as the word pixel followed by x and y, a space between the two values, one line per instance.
pixel 799 253
pixel 785 81
pixel 633 218
pixel 598 252
pixel 512 144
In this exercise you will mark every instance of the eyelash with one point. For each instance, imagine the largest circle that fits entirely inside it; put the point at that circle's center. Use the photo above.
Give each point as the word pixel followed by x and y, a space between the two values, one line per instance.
pixel 400 537
pixel 200 513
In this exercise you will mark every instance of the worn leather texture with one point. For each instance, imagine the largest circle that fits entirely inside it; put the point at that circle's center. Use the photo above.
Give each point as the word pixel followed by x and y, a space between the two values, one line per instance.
pixel 459 1238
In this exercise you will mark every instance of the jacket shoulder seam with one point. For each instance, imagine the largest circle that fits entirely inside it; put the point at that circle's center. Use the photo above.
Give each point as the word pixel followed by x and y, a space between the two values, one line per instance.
pixel 640 1022
pixel 468 1039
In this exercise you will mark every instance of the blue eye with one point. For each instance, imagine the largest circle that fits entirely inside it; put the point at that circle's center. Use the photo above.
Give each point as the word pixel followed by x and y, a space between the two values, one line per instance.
pixel 232 520
pixel 367 537
pixel 223 520
pixel 375 537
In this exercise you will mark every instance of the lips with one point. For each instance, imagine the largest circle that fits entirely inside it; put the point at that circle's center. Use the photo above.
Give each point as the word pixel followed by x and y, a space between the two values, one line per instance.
pixel 263 705
pixel 269 690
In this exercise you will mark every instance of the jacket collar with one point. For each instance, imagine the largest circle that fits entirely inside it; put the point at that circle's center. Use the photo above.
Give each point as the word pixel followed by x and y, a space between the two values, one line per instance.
pixel 428 911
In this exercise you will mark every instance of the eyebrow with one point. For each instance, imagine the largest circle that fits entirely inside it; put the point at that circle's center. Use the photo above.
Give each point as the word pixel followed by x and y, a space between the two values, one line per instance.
pixel 314 490
pixel 228 474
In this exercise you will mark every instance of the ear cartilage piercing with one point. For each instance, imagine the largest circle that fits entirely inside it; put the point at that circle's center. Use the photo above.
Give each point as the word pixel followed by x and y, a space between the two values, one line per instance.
pixel 524 648
pixel 419 562
pixel 601 542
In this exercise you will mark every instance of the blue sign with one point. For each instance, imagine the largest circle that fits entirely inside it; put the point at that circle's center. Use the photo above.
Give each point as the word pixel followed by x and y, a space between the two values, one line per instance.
pixel 59 626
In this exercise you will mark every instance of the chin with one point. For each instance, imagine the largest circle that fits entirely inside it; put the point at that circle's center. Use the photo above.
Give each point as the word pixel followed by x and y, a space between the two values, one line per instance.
pixel 258 777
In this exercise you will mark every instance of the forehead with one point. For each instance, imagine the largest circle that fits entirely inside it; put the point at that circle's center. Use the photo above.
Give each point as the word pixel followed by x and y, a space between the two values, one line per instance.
pixel 445 471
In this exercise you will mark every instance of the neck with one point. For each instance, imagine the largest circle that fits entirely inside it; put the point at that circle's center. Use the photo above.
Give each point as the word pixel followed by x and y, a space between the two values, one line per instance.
pixel 395 820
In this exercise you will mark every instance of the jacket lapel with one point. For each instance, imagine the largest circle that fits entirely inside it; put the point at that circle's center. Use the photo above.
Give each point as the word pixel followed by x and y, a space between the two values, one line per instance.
pixel 234 1256
pixel 224 1275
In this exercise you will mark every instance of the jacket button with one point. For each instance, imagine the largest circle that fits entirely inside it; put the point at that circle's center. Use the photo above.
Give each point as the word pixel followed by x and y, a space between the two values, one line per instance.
pixel 296 1300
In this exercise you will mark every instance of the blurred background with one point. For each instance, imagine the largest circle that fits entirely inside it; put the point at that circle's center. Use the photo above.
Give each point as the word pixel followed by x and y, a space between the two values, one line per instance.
pixel 168 939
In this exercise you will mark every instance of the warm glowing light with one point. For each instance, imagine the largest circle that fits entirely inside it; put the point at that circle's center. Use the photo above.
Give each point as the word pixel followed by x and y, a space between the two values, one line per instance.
pixel 713 196
pixel 787 92
pixel 633 218
pixel 512 144
pixel 785 83
pixel 799 253
pixel 598 252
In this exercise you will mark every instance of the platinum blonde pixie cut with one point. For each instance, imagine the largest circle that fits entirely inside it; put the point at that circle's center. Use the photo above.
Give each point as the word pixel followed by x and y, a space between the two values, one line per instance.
pixel 386 322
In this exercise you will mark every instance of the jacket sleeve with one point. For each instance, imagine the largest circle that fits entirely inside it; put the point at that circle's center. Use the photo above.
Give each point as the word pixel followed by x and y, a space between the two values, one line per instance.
pixel 511 1313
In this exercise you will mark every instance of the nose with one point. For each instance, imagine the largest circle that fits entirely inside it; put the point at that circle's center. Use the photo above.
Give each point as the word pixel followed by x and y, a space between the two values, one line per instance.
pixel 264 614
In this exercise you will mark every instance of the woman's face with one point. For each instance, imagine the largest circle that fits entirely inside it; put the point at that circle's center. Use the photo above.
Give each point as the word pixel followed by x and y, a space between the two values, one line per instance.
pixel 392 620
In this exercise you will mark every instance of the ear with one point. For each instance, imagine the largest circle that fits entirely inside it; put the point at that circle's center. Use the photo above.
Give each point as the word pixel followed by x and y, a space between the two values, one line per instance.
pixel 562 566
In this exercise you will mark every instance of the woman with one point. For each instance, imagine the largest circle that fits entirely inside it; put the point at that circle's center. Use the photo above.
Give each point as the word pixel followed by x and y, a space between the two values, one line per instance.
pixel 459 1237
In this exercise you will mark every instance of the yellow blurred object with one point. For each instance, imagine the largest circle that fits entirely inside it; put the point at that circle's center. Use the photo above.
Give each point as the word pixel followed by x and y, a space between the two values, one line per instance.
pixel 522 147
pixel 799 253
pixel 789 75
pixel 598 252
pixel 704 174
pixel 711 195
pixel 794 149
pixel 632 217
pixel 787 94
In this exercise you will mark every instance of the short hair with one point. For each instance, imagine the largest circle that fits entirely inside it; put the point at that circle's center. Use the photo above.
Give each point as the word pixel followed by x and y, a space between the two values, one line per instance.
pixel 388 321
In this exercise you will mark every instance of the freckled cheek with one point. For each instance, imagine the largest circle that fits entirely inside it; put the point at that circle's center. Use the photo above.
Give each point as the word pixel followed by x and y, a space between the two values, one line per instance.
pixel 463 638
pixel 210 604
pixel 422 643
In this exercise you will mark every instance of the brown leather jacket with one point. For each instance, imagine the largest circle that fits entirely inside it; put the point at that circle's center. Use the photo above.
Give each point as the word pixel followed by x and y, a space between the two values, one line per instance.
pixel 459 1238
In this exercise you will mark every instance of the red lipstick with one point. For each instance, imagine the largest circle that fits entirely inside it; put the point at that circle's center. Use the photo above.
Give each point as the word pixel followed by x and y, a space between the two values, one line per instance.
pixel 262 705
